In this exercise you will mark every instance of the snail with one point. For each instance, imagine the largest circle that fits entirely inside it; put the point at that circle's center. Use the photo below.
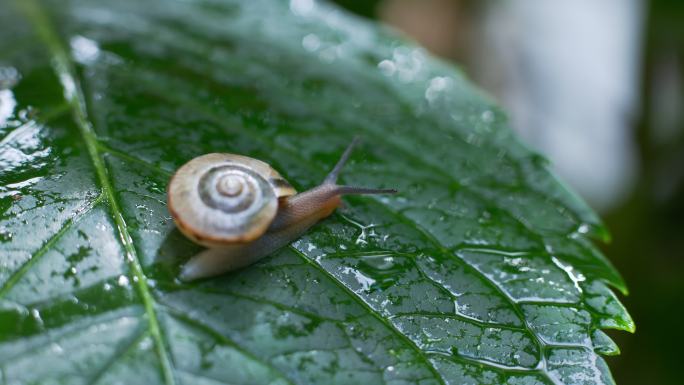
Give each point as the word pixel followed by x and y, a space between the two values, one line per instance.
pixel 241 209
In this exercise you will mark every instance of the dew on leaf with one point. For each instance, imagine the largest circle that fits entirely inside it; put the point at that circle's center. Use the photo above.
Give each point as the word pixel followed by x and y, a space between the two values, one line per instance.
pixel 363 281
pixel 487 116
pixel 387 67
pixel 311 42
pixel 56 348
pixel 583 228
pixel 301 7
pixel 85 51
pixel 7 105
pixel 5 235
pixel 122 280
pixel 383 270
pixel 9 77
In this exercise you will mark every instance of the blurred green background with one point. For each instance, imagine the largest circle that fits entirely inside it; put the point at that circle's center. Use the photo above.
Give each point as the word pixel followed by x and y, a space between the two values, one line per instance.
pixel 628 161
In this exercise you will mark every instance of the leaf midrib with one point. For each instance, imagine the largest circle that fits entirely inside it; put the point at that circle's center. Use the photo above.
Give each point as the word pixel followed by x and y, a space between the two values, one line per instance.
pixel 73 94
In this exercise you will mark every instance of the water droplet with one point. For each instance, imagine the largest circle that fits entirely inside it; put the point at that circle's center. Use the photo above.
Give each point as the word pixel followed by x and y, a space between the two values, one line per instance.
pixel 488 116
pixel 409 63
pixel 329 54
pixel 301 7
pixel 56 348
pixel 7 105
pixel 35 314
pixel 381 269
pixel 5 235
pixel 437 85
pixel 364 281
pixel 146 344
pixel 123 280
pixel 575 277
pixel 9 77
pixel 68 84
pixel 387 67
pixel 311 42
pixel 85 51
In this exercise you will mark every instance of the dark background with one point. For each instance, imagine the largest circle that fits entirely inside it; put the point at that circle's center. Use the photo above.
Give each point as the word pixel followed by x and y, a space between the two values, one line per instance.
pixel 647 225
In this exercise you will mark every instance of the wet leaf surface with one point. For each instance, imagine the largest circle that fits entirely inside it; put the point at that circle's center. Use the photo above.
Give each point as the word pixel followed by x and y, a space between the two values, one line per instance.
pixel 480 271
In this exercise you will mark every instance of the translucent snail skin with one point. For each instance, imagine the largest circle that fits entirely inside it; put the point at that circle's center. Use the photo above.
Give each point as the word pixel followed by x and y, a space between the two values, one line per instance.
pixel 241 209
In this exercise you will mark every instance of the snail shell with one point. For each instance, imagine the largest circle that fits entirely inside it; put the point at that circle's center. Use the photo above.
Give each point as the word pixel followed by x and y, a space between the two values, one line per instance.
pixel 219 199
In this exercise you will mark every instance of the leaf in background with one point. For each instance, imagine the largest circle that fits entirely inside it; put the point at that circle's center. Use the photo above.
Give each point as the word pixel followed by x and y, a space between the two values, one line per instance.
pixel 479 271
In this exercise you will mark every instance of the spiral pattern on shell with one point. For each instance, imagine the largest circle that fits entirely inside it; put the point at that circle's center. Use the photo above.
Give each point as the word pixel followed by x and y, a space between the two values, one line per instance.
pixel 234 189
pixel 218 199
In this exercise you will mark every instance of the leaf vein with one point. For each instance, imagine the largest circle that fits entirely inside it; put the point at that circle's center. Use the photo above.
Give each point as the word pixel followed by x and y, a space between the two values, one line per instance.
pixel 63 67
pixel 121 352
pixel 26 266
pixel 374 313
pixel 198 324
pixel 263 301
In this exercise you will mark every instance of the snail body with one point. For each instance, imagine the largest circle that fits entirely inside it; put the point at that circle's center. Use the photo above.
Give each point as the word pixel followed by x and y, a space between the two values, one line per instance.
pixel 241 209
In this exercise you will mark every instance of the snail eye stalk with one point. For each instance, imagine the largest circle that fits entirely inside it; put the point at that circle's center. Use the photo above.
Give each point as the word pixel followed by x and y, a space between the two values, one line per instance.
pixel 331 179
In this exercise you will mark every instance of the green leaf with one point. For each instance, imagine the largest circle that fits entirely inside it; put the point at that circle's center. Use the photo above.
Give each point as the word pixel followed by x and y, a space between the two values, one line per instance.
pixel 479 272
